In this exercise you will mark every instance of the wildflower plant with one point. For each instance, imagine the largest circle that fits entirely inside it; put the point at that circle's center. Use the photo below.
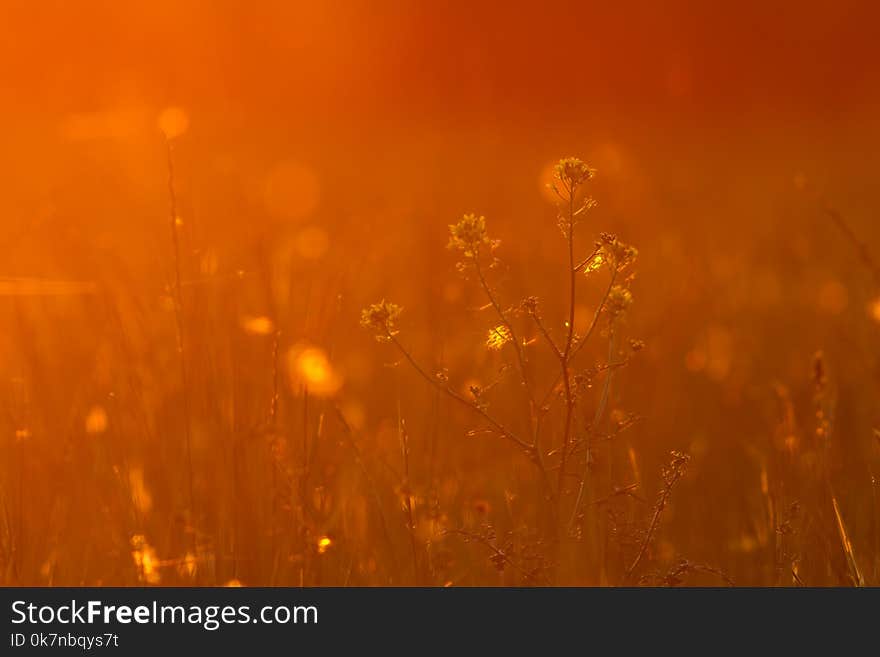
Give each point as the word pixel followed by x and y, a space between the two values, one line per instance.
pixel 469 236
pixel 498 337
pixel 381 319
pixel 550 445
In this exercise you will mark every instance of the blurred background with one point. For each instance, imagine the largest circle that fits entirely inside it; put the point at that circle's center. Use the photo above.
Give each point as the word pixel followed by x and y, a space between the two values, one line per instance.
pixel 320 151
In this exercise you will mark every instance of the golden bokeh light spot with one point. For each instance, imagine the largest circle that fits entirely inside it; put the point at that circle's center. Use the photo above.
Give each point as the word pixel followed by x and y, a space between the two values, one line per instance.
pixel 260 325
pixel 233 584
pixel 96 420
pixel 309 367
pixel 145 560
pixel 594 264
pixel 314 367
pixel 498 337
pixel 324 544
pixel 745 543
pixel 291 191
pixel 874 310
pixel 173 122
pixel 469 386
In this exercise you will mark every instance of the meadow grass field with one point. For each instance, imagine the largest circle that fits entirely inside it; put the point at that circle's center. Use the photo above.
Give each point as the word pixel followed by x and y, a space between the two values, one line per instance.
pixel 428 297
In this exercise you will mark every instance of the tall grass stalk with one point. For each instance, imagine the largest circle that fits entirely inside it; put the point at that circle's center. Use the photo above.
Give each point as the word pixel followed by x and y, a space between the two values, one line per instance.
pixel 179 323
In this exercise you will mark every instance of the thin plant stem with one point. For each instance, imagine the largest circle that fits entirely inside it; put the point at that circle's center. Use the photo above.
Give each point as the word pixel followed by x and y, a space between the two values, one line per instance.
pixel 580 344
pixel 500 428
pixel 546 335
pixel 569 342
pixel 600 412
pixel 410 512
pixel 178 317
pixel 374 492
pixel 583 263
pixel 671 476
pixel 595 321
pixel 514 338
pixel 273 404
pixel 524 376
pixel 503 556
pixel 530 450
pixel 860 247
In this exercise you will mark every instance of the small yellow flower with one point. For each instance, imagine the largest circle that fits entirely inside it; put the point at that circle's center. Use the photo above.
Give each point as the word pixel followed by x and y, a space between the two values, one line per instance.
pixel 469 234
pixel 498 337
pixel 572 171
pixel 381 318
pixel 624 254
pixel 619 300
pixel 619 254
pixel 594 263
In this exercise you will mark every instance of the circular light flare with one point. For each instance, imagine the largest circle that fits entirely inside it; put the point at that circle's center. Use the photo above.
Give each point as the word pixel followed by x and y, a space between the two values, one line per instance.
pixel 96 420
pixel 874 310
pixel 173 122
pixel 259 325
pixel 309 368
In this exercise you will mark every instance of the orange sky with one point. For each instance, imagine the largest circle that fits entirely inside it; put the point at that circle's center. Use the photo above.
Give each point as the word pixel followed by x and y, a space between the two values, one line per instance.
pixel 681 97
pixel 330 145
pixel 417 60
